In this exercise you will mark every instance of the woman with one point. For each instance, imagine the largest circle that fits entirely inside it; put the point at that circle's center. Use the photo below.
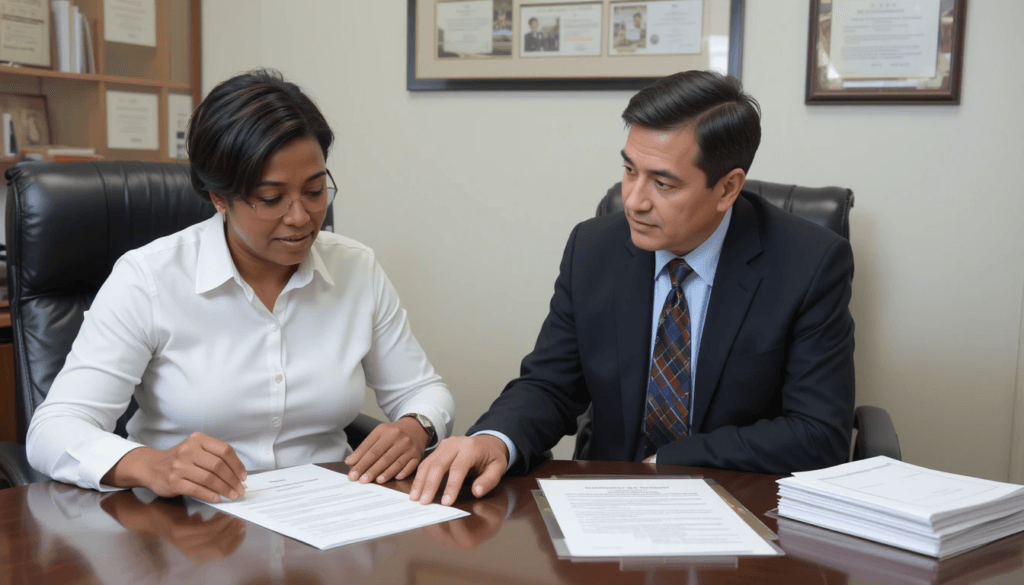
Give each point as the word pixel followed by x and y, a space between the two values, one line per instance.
pixel 247 340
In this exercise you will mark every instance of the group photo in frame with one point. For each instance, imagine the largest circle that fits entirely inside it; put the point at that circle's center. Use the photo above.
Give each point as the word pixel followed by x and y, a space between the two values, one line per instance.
pixel 898 51
pixel 568 44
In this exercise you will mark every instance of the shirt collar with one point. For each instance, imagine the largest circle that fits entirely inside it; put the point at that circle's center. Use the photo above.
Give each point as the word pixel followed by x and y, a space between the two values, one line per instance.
pixel 704 258
pixel 215 266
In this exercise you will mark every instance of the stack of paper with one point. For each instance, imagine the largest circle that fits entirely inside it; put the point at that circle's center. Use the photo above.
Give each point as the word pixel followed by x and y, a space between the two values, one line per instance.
pixel 926 511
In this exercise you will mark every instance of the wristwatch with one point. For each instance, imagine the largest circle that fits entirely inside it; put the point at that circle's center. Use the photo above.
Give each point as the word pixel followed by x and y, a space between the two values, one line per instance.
pixel 427 426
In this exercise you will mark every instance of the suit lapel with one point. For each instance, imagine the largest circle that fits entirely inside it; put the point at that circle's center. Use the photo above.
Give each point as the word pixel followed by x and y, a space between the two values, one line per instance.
pixel 731 295
pixel 634 293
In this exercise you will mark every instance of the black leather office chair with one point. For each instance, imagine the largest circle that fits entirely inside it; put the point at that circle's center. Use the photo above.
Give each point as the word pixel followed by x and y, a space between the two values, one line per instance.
pixel 828 207
pixel 66 226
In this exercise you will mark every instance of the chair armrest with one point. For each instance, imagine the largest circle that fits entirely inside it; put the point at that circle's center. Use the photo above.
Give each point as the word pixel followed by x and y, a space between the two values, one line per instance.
pixel 360 428
pixel 14 468
pixel 876 434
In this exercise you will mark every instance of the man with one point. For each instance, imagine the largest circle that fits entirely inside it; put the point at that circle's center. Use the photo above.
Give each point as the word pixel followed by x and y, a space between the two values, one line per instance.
pixel 636 34
pixel 738 356
pixel 533 40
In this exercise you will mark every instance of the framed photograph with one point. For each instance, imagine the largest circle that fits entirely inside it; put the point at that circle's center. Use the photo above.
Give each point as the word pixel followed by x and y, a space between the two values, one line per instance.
pixel 898 51
pixel 568 44
pixel 28 120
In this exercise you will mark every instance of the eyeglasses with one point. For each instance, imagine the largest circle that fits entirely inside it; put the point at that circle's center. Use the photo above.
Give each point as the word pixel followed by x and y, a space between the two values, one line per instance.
pixel 278 207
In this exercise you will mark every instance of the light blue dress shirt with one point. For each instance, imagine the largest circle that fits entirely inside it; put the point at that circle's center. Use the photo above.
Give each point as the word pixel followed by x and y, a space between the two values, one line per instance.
pixel 696 288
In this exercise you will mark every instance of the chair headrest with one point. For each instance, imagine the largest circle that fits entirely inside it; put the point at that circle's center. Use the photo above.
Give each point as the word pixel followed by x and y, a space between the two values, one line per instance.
pixel 67 223
pixel 826 206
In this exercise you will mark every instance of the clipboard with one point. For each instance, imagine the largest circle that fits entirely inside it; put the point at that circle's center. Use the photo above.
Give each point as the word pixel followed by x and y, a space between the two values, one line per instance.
pixel 639 563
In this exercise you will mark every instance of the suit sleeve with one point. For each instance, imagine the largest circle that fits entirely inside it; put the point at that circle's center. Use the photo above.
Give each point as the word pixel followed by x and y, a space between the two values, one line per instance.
pixel 817 389
pixel 541 406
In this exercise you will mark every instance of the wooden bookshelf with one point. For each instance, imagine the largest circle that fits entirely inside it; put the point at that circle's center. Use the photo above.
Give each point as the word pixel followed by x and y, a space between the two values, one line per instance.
pixel 77 101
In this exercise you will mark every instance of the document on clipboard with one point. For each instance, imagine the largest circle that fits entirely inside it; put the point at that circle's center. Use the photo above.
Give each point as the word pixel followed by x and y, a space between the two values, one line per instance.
pixel 648 517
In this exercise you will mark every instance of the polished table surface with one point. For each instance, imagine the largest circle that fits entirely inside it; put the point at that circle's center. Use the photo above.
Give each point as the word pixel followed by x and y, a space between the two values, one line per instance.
pixel 55 533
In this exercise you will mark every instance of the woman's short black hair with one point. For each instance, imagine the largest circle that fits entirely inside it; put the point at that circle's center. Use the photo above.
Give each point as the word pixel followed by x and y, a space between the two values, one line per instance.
pixel 725 120
pixel 241 123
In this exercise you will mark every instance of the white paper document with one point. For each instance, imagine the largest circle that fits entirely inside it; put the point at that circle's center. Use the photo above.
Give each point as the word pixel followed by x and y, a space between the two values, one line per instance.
pixel 130 21
pixel 467 26
pixel 132 120
pixel 323 508
pixel 657 28
pixel 648 517
pixel 893 39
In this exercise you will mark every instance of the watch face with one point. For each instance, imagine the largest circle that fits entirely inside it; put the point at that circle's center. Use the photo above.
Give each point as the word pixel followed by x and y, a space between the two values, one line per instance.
pixel 426 424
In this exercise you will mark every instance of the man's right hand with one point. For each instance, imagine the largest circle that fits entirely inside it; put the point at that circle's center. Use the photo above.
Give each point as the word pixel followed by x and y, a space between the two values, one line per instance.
pixel 484 455
pixel 200 466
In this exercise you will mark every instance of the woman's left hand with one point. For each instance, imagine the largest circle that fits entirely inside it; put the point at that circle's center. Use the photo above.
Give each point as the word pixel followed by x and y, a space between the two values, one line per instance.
pixel 392 450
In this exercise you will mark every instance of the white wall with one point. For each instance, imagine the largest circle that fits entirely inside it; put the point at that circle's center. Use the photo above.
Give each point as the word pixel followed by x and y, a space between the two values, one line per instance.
pixel 468 198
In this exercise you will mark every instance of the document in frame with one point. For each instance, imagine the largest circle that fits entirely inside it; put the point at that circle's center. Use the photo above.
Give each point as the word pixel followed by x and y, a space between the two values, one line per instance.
pixel 324 509
pixel 649 517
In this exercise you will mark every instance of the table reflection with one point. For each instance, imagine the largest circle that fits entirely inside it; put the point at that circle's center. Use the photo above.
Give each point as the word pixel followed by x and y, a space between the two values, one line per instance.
pixel 134 536
pixel 887 564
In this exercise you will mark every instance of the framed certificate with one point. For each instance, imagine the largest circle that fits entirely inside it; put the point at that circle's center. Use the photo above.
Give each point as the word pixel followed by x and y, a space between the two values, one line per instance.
pixel 897 51
pixel 568 44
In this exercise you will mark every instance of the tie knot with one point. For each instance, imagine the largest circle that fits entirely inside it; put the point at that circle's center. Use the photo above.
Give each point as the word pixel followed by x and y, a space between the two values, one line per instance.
pixel 678 270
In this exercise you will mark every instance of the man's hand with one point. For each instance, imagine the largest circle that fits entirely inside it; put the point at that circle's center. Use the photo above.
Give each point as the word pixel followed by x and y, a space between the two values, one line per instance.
pixel 484 455
pixel 392 450
pixel 473 530
pixel 200 466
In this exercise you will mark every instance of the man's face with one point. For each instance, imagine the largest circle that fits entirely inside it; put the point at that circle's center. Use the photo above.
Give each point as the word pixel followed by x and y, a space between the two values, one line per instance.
pixel 665 196
pixel 533 25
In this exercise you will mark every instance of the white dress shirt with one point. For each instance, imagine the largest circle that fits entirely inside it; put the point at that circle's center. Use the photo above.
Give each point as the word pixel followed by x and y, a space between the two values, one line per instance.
pixel 177 326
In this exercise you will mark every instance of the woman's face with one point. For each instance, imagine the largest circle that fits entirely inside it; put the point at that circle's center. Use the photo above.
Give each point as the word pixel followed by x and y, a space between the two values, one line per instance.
pixel 268 246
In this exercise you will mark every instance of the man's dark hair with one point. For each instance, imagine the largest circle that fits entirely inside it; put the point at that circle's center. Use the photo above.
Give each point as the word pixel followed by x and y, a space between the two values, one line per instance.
pixel 241 123
pixel 533 20
pixel 725 120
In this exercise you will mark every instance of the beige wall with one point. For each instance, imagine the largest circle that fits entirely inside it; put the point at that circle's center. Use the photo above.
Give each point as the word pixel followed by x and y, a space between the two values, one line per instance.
pixel 468 198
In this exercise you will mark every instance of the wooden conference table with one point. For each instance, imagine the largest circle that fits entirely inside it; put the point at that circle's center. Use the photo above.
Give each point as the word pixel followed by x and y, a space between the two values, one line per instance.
pixel 54 533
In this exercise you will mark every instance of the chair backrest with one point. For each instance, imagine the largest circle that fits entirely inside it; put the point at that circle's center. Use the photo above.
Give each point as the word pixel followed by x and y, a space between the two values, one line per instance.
pixel 67 223
pixel 826 206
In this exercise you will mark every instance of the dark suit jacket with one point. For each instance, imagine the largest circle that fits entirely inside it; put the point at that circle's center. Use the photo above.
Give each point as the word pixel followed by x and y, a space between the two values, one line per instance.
pixel 533 41
pixel 774 391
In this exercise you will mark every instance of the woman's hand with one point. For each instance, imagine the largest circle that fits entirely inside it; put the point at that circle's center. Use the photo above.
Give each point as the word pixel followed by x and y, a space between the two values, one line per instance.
pixel 200 539
pixel 200 466
pixel 392 450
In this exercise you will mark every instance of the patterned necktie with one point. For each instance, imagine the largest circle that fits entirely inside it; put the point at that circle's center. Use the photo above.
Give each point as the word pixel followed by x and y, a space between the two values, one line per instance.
pixel 667 415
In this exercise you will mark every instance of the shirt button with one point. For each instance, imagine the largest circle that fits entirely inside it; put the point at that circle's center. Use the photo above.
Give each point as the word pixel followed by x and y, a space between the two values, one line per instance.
pixel 278 378
pixel 273 326
pixel 276 421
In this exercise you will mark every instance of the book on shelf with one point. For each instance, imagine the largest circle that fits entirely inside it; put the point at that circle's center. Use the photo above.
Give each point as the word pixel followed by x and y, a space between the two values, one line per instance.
pixel 62 33
pixel 75 51
pixel 9 136
pixel 923 510
pixel 76 39
pixel 90 53
pixel 60 153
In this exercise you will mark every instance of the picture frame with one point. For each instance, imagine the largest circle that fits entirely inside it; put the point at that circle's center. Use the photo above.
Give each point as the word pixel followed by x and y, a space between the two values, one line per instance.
pixel 30 119
pixel 567 44
pixel 894 52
